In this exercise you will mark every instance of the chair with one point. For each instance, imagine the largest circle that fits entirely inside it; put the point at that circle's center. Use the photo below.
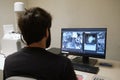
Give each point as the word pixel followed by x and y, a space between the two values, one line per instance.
pixel 20 78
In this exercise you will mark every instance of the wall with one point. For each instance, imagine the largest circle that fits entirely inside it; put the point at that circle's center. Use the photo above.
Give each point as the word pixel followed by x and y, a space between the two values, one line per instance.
pixel 74 13
pixel 85 13
pixel 7 15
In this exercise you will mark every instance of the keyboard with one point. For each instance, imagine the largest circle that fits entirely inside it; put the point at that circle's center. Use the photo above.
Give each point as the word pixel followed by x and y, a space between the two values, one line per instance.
pixel 99 77
pixel 85 68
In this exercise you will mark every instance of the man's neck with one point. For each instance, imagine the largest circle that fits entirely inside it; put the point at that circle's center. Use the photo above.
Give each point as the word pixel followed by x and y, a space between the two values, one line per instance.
pixel 40 44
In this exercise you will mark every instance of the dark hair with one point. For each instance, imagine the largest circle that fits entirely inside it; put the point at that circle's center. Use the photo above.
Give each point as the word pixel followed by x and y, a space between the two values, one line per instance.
pixel 33 24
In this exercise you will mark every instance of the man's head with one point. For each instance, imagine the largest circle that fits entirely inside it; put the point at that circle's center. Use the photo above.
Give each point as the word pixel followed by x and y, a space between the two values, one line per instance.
pixel 33 25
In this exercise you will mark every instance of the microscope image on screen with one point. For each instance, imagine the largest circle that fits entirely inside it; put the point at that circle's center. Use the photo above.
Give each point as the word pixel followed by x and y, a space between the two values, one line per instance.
pixel 100 42
pixel 94 42
pixel 90 41
pixel 90 38
pixel 72 40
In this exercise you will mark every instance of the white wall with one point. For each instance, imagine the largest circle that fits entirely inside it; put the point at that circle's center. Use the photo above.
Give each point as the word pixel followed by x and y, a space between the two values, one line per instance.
pixel 74 13
pixel 85 13
pixel 7 15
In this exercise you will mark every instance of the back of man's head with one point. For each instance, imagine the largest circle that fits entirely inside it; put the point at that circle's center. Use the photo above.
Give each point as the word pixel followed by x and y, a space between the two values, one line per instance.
pixel 33 24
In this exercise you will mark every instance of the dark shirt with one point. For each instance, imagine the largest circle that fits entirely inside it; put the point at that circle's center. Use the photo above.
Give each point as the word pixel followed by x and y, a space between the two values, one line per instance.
pixel 40 64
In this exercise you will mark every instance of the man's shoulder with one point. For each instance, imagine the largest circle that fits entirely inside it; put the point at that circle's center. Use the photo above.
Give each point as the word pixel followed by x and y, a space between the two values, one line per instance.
pixel 60 57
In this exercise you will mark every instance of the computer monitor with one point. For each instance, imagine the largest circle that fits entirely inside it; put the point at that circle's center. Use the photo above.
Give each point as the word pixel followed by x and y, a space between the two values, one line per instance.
pixel 85 42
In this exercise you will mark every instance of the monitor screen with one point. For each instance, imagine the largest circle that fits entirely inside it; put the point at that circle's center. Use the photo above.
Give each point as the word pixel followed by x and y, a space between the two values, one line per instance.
pixel 88 42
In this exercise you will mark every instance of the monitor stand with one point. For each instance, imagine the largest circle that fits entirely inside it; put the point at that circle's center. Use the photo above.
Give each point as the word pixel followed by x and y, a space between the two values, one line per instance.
pixel 84 60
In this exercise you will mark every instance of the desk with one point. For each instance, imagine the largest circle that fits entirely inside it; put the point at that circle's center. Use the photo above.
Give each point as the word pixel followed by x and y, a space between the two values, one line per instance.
pixel 111 73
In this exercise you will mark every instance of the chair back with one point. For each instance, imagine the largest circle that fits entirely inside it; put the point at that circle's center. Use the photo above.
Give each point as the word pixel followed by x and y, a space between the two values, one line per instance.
pixel 20 78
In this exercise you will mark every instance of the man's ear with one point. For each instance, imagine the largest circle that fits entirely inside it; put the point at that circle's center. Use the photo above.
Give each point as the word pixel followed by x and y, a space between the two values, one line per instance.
pixel 47 32
pixel 48 35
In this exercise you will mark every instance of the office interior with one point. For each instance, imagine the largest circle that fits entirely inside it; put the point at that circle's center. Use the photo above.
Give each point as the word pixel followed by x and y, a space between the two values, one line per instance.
pixel 73 14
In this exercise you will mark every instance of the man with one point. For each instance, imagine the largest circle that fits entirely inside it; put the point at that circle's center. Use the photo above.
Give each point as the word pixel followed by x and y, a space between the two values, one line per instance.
pixel 33 60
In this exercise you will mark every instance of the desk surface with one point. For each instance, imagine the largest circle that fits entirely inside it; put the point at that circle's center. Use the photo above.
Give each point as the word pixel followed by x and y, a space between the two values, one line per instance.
pixel 108 73
pixel 111 73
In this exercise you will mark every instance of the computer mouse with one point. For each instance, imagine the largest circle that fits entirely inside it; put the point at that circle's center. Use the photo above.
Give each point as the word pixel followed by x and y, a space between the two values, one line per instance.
pixel 105 64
